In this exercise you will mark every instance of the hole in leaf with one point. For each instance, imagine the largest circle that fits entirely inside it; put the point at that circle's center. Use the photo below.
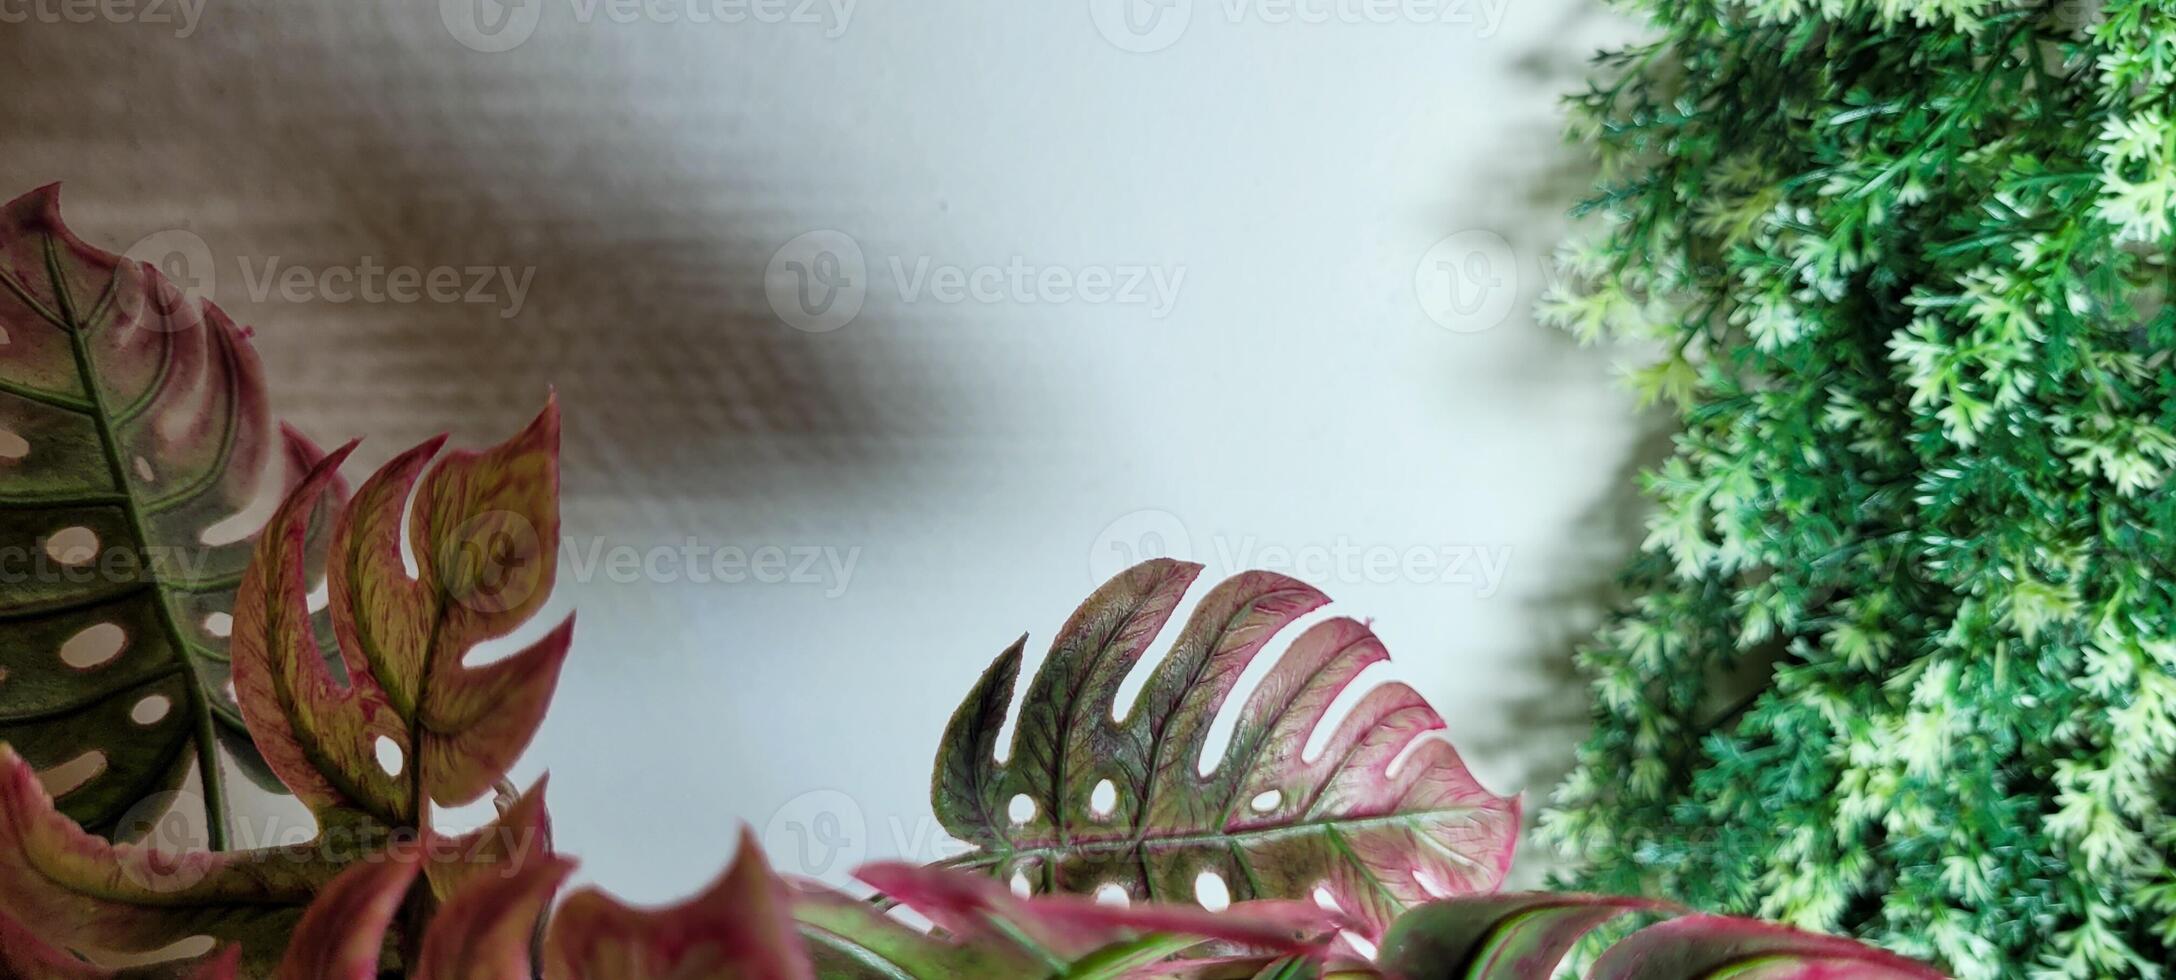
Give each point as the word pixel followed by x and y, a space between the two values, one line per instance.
pixel 149 710
pixel 1359 942
pixel 1103 799
pixel 1130 687
pixel 94 646
pixel 1021 809
pixel 1211 892
pixel 1361 685
pixel 143 470
pixel 1020 884
pixel 408 562
pixel 1217 741
pixel 265 500
pixel 911 919
pixel 72 546
pixel 1431 884
pixel 1326 901
pixel 219 624
pixel 1113 894
pixel 390 757
pixel 1397 762
pixel 1266 801
pixel 189 948
pixel 70 776
pixel 13 447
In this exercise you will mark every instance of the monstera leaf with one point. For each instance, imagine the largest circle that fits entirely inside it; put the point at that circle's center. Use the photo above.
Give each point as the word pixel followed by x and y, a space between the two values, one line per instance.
pixel 1525 937
pixel 24 957
pixel 132 425
pixel 1380 820
pixel 986 931
pixel 482 529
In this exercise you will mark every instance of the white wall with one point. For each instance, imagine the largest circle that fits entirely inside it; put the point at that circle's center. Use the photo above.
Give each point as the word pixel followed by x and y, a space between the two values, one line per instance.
pixel 979 461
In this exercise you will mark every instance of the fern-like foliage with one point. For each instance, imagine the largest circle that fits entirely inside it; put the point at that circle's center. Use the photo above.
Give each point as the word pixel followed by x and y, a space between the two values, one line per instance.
pixel 1906 263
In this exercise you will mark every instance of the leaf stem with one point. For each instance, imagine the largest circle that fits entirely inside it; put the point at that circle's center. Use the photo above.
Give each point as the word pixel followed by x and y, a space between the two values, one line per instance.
pixel 209 776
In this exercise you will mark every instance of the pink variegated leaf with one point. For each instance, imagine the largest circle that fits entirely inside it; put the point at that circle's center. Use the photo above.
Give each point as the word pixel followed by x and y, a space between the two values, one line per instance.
pixel 343 934
pixel 74 891
pixel 1266 820
pixel 1526 937
pixel 133 426
pixel 740 928
pixel 521 834
pixel 984 930
pixel 483 530
pixel 78 892
pixel 317 732
pixel 483 930
pixel 486 930
pixel 1259 968
pixel 969 904
pixel 848 938
pixel 1499 937
pixel 1709 947
pixel 23 956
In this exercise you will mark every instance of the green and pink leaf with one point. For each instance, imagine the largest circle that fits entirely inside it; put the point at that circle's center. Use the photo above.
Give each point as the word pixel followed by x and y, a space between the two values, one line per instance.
pixel 83 893
pixel 143 431
pixel 484 536
pixel 1384 818
pixel 1526 937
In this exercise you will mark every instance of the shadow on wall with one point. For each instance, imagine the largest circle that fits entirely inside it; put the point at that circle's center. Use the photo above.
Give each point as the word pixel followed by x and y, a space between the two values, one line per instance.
pixel 1539 731
pixel 589 251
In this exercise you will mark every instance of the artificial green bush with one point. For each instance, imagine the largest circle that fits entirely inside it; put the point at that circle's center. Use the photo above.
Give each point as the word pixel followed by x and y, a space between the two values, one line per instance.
pixel 1898 657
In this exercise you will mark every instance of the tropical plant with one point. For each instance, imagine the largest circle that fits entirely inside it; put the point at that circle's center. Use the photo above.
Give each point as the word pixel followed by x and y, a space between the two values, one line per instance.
pixel 1083 801
pixel 135 424
pixel 1517 937
pixel 368 714
pixel 1896 660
